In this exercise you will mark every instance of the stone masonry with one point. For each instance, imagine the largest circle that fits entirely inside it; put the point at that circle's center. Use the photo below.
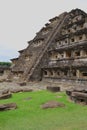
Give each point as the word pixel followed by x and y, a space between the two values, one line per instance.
pixel 58 51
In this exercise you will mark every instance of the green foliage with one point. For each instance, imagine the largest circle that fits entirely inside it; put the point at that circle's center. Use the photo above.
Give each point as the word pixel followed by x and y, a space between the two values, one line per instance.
pixel 8 64
pixel 30 116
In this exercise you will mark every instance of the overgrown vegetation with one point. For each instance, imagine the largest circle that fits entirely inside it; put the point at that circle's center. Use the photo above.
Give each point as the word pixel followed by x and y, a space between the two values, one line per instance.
pixel 8 64
pixel 30 116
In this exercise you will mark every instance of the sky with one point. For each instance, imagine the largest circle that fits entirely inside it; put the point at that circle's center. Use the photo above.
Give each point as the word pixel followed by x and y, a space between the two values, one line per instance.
pixel 20 20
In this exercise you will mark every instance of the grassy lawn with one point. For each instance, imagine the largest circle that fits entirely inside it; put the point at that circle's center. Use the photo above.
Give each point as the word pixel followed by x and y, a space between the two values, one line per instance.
pixel 29 115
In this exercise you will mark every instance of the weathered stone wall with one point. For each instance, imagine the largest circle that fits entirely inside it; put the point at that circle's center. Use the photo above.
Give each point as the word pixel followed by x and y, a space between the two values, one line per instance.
pixel 58 50
pixel 67 57
pixel 4 72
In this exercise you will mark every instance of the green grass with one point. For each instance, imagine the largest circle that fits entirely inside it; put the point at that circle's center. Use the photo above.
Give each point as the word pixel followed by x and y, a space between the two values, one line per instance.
pixel 30 116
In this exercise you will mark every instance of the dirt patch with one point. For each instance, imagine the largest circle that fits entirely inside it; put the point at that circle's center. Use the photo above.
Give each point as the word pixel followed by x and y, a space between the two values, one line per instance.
pixel 27 99
pixel 52 104
pixel 58 96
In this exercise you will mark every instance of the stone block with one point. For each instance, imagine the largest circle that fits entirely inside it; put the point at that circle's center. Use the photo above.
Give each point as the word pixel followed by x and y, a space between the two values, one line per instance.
pixel 6 96
pixel 10 106
pixel 53 89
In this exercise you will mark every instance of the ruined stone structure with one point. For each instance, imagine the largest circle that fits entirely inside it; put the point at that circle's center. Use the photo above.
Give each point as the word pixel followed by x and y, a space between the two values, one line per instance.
pixel 4 71
pixel 58 51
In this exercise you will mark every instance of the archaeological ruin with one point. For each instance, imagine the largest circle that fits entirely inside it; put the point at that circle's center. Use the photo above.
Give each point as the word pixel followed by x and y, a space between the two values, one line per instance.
pixel 4 72
pixel 58 51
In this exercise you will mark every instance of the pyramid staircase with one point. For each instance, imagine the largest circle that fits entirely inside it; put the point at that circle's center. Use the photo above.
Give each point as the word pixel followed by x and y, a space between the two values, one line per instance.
pixel 49 40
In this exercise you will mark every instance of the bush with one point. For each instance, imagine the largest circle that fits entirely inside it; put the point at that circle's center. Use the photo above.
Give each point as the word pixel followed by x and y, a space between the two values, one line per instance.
pixel 8 64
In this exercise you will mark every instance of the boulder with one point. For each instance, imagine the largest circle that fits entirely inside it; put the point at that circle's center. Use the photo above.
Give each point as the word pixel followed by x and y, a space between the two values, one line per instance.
pixel 79 97
pixel 79 94
pixel 53 89
pixel 6 96
pixel 69 91
pixel 9 106
pixel 6 91
pixel 52 104
pixel 16 90
pixel 22 84
pixel 27 90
